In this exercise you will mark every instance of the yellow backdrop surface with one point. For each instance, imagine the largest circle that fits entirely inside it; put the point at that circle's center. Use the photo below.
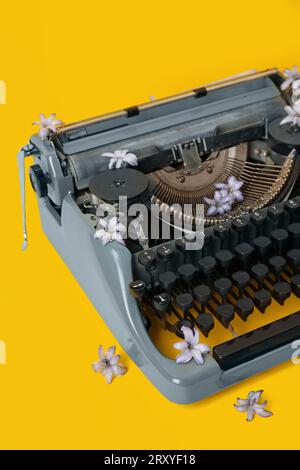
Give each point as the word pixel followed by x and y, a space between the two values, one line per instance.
pixel 81 59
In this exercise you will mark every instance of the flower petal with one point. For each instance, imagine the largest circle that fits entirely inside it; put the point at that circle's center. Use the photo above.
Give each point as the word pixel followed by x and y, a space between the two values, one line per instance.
pixel 243 402
pixel 115 359
pixel 110 352
pixel 119 369
pixel 286 120
pixel 241 408
pixel 250 414
pixel 108 154
pixel 195 339
pixel 255 396
pixel 131 159
pixel 101 352
pixel 188 334
pixel 97 366
pixel 203 348
pixel 184 357
pixel 197 356
pixel 212 210
pixel 107 372
pixel 112 163
pixel 263 413
pixel 181 345
pixel 119 163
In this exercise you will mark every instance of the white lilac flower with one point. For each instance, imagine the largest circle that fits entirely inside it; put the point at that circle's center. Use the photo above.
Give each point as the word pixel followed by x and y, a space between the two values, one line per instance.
pixel 251 406
pixel 293 115
pixel 47 125
pixel 231 188
pixel 109 230
pixel 190 347
pixel 296 90
pixel 120 157
pixel 291 75
pixel 108 364
pixel 220 204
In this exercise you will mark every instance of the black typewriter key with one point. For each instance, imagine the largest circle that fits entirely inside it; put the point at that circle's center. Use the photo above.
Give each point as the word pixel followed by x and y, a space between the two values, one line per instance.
pixel 258 219
pixel 225 314
pixel 167 280
pixel 281 291
pixel 240 225
pixel 182 247
pixel 241 280
pixel 165 253
pixel 262 246
pixel 184 301
pixel 180 324
pixel 295 285
pixel 292 206
pixel 223 287
pixel 147 259
pixel 259 272
pixel 223 232
pixel 207 245
pixel 243 252
pixel 244 307
pixel 186 272
pixel 224 259
pixel 293 259
pixel 202 294
pixel 279 239
pixel 277 264
pixel 137 289
pixel 294 231
pixel 276 215
pixel 262 299
pixel 207 266
pixel 205 323
pixel 161 302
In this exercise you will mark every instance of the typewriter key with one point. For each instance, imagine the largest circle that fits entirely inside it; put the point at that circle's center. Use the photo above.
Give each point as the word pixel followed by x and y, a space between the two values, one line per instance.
pixel 281 292
pixel 293 258
pixel 244 307
pixel 137 289
pixel 180 324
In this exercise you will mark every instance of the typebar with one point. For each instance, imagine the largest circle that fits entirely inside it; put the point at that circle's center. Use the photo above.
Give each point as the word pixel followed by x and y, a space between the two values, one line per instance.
pixel 257 342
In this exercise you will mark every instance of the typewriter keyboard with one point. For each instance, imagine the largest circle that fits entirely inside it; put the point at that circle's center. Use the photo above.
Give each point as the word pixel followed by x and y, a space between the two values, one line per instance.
pixel 245 277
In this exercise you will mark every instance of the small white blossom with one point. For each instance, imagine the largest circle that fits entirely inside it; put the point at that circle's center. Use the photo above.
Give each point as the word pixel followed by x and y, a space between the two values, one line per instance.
pixel 109 230
pixel 220 204
pixel 296 91
pixel 120 157
pixel 251 406
pixel 291 75
pixel 190 347
pixel 293 115
pixel 231 188
pixel 108 364
pixel 47 125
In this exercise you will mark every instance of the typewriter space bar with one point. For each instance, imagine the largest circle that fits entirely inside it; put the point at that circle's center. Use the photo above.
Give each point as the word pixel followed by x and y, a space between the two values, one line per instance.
pixel 246 347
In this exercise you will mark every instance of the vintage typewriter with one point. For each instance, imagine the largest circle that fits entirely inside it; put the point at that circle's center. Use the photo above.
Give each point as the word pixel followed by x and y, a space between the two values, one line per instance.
pixel 240 287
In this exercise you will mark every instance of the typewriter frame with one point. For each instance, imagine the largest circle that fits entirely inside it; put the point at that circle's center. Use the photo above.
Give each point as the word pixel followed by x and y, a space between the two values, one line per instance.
pixel 110 267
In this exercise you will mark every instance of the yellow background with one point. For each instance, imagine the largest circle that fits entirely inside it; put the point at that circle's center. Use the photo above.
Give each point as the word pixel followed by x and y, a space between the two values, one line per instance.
pixel 79 60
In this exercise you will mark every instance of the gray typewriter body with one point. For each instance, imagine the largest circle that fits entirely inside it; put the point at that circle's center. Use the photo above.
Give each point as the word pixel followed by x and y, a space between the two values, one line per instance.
pixel 104 272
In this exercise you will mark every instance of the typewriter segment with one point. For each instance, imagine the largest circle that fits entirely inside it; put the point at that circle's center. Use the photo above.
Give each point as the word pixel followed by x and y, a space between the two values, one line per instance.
pixel 246 276
pixel 114 192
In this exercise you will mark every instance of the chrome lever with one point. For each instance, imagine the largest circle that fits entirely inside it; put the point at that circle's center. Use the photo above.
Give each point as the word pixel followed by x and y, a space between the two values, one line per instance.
pixel 23 153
